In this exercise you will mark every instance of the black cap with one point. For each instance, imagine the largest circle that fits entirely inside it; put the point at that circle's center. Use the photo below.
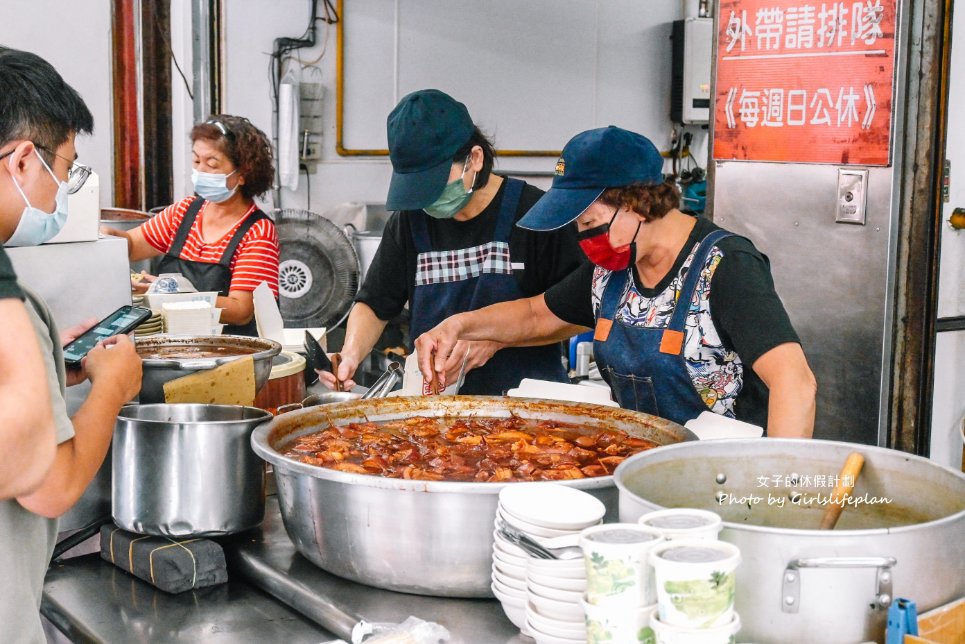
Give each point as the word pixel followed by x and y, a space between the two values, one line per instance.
pixel 425 130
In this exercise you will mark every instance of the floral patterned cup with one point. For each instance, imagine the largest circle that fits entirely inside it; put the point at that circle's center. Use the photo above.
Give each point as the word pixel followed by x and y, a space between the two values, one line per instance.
pixel 609 625
pixel 695 582
pixel 618 571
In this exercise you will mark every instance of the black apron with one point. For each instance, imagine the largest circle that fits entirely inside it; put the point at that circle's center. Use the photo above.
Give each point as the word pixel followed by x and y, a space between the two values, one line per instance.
pixel 208 276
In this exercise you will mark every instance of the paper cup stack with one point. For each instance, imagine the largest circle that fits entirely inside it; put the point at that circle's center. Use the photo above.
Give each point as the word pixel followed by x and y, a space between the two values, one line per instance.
pixel 695 578
pixel 191 318
pixel 620 590
pixel 542 596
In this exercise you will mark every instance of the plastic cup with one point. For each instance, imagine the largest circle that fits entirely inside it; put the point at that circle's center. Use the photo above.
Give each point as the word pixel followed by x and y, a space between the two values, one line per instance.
pixel 668 634
pixel 684 523
pixel 611 625
pixel 695 581
pixel 618 571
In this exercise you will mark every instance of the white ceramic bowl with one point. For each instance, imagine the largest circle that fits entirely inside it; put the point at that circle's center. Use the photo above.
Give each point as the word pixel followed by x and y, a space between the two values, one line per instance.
pixel 568 611
pixel 512 585
pixel 553 627
pixel 507 547
pixel 555 581
pixel 566 568
pixel 531 528
pixel 510 570
pixel 507 593
pixel 514 609
pixel 546 638
pixel 512 560
pixel 551 592
pixel 551 505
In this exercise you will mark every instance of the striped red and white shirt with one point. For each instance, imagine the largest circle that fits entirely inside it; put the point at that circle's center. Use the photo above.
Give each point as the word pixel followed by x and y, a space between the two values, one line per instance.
pixel 255 261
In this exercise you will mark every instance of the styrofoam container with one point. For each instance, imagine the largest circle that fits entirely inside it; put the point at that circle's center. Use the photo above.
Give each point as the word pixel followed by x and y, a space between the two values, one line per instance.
pixel 551 505
pixel 669 634
pixel 695 581
pixel 684 523
pixel 616 625
pixel 617 565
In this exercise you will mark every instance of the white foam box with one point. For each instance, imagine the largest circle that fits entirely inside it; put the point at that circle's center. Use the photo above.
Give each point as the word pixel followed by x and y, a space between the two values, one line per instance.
pixel 83 214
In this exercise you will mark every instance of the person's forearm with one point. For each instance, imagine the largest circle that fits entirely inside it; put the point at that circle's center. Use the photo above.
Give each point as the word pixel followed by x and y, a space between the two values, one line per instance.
pixel 234 311
pixel 26 423
pixel 78 459
pixel 362 331
pixel 790 414
pixel 524 322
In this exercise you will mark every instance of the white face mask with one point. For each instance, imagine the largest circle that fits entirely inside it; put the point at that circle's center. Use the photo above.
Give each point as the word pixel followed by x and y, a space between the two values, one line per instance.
pixel 37 226
pixel 212 186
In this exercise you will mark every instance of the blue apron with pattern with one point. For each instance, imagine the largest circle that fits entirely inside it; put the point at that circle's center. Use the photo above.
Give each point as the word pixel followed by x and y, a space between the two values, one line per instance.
pixel 455 281
pixel 645 366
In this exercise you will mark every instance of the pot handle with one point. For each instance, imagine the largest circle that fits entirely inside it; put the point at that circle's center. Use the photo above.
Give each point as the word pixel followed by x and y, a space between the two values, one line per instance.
pixel 791 586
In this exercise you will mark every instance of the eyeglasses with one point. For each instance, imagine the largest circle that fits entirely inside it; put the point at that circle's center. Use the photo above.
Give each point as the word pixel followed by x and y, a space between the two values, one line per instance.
pixel 76 175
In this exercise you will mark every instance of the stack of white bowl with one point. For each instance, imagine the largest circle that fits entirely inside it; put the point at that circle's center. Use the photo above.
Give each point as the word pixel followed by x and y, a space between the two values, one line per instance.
pixel 542 596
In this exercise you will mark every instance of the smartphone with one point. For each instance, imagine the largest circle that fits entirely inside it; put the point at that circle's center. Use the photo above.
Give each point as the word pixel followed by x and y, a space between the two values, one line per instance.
pixel 317 358
pixel 123 320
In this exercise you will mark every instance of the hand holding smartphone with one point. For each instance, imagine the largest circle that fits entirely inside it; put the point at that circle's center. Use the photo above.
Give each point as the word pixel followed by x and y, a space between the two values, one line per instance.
pixel 123 320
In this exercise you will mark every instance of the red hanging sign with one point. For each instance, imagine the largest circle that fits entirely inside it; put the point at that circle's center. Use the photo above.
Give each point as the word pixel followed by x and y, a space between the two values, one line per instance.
pixel 805 82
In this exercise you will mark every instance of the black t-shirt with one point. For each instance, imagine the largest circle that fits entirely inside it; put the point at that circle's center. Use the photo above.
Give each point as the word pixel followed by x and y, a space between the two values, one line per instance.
pixel 746 310
pixel 547 257
pixel 8 279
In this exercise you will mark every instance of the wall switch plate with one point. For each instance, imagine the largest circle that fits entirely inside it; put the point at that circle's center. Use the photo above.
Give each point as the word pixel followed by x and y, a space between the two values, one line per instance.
pixel 852 197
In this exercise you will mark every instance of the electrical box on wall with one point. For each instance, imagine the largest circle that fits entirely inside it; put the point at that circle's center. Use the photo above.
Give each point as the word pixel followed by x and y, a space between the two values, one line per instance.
pixel 693 41
pixel 311 95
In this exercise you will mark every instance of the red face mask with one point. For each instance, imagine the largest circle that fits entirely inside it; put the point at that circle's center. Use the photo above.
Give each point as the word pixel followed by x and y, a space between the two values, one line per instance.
pixel 595 243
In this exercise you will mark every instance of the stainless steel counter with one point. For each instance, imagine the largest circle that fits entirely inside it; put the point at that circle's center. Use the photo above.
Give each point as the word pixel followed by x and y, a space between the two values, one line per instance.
pixel 91 600
pixel 267 558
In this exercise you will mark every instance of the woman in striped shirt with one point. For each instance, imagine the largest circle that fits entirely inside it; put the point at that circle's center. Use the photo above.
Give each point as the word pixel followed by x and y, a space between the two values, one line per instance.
pixel 218 238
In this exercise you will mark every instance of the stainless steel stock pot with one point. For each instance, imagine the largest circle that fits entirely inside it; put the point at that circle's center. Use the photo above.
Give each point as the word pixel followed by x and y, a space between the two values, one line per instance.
pixel 903 535
pixel 422 537
pixel 187 470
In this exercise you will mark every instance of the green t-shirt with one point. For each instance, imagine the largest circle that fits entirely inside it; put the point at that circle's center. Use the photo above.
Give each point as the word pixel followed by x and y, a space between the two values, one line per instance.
pixel 28 539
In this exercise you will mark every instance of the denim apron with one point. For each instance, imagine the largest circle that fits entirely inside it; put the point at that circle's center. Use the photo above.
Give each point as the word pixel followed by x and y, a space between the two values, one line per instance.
pixel 456 281
pixel 645 366
pixel 207 276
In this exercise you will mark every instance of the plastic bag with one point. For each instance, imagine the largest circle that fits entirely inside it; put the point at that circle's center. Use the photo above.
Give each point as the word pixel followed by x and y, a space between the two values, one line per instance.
pixel 412 631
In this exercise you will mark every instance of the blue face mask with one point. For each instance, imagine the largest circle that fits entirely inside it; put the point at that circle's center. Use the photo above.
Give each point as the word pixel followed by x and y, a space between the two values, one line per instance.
pixel 453 198
pixel 212 186
pixel 37 226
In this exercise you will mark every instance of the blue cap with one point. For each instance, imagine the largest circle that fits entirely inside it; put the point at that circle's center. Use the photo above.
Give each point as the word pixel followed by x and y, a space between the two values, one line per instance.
pixel 592 161
pixel 425 130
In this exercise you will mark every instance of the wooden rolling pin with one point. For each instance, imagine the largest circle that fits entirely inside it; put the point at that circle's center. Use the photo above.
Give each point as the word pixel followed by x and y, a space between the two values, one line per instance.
pixel 847 479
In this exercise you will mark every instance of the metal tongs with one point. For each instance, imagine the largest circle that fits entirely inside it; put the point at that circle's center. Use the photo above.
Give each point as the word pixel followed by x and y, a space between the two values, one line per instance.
pixel 386 382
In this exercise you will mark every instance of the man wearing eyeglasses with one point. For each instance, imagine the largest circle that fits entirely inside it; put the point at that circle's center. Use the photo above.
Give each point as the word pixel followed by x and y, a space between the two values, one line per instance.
pixel 41 115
